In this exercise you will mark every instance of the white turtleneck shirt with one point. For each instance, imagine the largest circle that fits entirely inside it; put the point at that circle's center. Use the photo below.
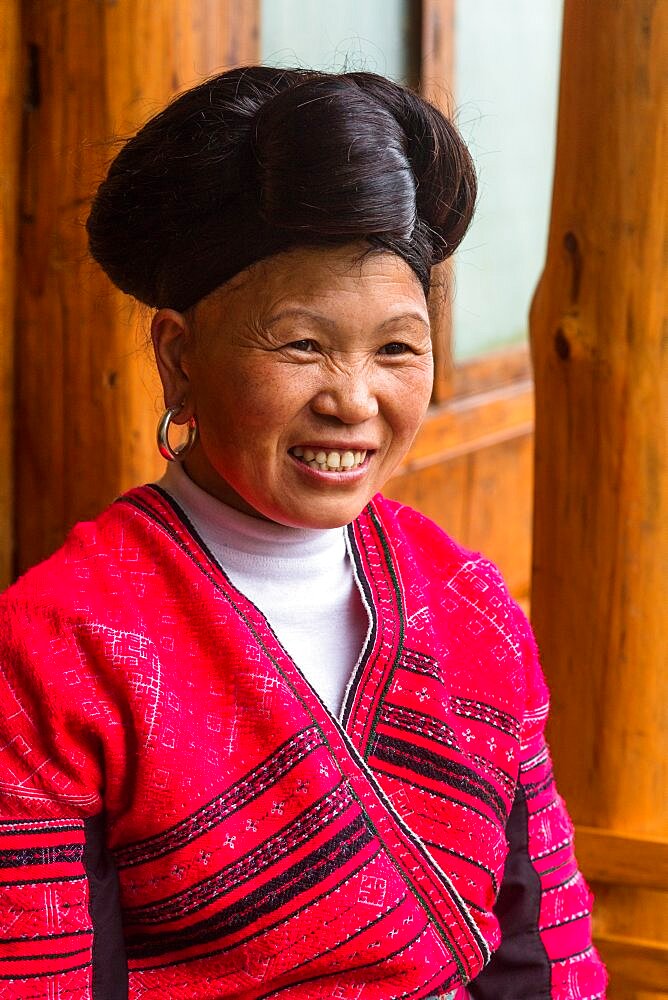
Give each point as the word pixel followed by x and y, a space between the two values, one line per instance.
pixel 301 579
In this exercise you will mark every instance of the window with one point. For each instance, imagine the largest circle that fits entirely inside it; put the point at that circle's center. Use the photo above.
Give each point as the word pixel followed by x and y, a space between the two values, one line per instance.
pixel 379 36
pixel 506 77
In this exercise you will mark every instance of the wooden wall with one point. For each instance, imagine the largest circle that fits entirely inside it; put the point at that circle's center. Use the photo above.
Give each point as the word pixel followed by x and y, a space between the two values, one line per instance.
pixel 86 397
pixel 600 567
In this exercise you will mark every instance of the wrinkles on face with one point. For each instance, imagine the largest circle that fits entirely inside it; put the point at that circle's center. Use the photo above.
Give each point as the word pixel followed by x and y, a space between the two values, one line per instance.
pixel 286 294
pixel 312 348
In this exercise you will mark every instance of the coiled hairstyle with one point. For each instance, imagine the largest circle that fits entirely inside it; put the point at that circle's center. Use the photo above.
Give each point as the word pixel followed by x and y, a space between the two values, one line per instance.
pixel 258 160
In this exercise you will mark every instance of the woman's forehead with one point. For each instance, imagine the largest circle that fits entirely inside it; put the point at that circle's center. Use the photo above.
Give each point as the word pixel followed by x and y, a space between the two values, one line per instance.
pixel 305 274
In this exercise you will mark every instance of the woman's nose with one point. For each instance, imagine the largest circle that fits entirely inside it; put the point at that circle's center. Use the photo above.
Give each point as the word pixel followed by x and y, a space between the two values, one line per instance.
pixel 348 397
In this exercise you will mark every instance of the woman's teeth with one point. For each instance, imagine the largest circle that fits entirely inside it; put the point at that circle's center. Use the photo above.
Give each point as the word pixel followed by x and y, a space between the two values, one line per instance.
pixel 330 461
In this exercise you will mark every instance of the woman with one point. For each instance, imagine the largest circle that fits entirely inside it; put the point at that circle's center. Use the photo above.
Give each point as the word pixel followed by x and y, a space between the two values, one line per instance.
pixel 292 731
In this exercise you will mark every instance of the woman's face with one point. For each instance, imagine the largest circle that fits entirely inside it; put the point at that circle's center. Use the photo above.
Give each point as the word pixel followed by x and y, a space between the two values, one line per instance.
pixel 309 375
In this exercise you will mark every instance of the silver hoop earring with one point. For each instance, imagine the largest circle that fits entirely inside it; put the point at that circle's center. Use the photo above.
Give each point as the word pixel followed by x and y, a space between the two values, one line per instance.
pixel 164 447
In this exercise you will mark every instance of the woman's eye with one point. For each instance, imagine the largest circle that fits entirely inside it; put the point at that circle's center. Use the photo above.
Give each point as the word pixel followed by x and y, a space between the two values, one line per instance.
pixel 303 345
pixel 396 347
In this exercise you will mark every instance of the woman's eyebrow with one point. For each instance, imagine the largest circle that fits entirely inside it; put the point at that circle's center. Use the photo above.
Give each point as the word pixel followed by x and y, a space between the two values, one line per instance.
pixel 326 321
pixel 404 316
pixel 306 313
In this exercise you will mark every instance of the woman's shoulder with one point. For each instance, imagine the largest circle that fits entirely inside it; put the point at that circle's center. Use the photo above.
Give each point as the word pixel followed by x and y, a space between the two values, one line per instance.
pixel 465 583
pixel 428 541
pixel 89 559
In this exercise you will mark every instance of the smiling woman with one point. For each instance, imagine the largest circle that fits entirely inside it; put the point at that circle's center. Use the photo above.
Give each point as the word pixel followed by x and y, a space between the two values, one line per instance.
pixel 308 374
pixel 264 733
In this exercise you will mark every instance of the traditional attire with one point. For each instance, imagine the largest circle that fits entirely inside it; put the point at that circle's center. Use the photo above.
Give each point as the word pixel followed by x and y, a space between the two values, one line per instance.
pixel 182 816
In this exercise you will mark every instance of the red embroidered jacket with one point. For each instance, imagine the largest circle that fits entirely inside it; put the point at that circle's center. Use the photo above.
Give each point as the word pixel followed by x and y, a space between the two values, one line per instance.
pixel 181 816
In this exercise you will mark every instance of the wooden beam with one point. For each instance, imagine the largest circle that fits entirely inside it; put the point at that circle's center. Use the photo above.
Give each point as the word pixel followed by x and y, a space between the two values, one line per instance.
pixel 469 423
pixel 10 117
pixel 470 470
pixel 492 369
pixel 438 52
pixel 598 321
pixel 600 547
pixel 617 859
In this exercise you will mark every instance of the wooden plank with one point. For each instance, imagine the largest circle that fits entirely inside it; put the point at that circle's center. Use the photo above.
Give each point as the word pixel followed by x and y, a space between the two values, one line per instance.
pixel 440 317
pixel 488 371
pixel 461 426
pixel 87 395
pixel 643 964
pixel 623 914
pixel 629 911
pixel 469 496
pixel 440 491
pixel 438 52
pixel 10 116
pixel 607 856
pixel 501 507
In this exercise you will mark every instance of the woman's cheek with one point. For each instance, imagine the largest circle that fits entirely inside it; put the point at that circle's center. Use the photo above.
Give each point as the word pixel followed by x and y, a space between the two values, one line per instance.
pixel 415 396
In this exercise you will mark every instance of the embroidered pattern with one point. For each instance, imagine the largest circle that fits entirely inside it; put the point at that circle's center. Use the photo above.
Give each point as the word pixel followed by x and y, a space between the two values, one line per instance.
pixel 231 800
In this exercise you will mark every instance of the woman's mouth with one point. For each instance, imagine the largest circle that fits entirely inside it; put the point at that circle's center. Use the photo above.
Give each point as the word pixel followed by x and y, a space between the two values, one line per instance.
pixel 329 461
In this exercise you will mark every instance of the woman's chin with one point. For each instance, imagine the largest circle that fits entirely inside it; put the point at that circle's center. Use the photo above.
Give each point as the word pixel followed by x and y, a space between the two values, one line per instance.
pixel 310 510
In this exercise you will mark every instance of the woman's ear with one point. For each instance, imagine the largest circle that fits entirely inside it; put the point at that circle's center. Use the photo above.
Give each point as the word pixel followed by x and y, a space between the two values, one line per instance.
pixel 170 335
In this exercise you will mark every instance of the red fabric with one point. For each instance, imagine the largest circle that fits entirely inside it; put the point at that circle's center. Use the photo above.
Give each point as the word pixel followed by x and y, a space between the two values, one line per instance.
pixel 262 846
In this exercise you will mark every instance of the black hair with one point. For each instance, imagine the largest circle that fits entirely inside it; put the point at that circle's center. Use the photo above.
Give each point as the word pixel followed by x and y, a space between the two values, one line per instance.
pixel 259 160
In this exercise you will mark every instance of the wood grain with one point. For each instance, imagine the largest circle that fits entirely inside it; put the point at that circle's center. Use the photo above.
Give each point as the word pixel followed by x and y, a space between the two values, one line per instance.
pixel 438 52
pixel 87 399
pixel 643 964
pixel 10 117
pixel 471 422
pixel 598 337
pixel 630 911
pixel 600 587
pixel 606 856
pixel 489 371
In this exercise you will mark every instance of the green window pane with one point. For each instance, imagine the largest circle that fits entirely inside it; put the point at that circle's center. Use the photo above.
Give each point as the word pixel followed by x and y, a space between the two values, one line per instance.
pixel 507 75
pixel 379 36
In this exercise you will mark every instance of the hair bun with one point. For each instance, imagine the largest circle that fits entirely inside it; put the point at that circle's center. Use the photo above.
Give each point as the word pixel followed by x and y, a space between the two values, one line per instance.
pixel 183 165
pixel 258 160
pixel 445 177
pixel 327 152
